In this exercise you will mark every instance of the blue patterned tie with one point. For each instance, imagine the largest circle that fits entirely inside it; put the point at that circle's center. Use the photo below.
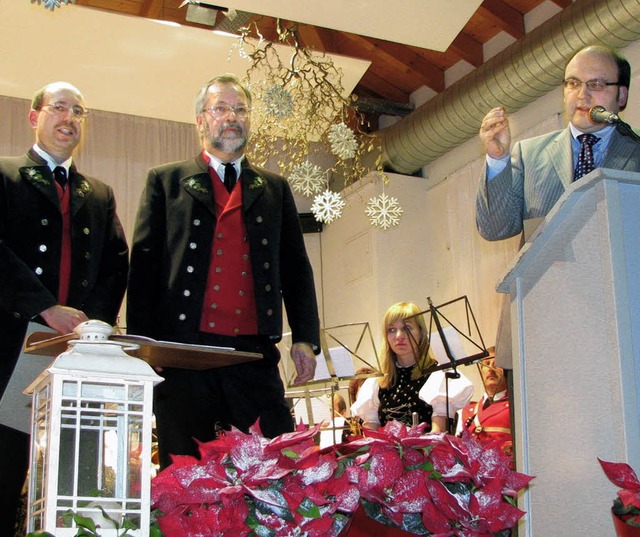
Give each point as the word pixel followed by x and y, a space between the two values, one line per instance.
pixel 585 157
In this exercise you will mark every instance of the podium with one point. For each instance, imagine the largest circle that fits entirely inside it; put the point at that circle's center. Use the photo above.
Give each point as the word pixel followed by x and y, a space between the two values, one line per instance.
pixel 575 321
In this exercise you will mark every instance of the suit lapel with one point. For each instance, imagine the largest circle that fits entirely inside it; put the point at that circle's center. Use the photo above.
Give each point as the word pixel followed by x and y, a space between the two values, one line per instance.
pixel 621 150
pixel 80 191
pixel 253 185
pixel 197 183
pixel 41 177
pixel 561 157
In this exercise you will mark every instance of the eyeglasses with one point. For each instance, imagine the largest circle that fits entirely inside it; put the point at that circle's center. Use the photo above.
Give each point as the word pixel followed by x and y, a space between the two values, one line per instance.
pixel 592 85
pixel 221 110
pixel 59 109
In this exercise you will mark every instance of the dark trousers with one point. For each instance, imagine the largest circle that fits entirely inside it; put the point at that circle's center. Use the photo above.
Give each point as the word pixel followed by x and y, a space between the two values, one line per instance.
pixel 192 405
pixel 14 463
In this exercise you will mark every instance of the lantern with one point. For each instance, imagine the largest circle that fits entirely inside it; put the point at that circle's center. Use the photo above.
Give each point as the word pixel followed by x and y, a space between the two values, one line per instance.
pixel 91 437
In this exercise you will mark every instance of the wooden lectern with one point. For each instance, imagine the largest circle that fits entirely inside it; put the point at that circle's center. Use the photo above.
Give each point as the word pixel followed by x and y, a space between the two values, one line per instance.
pixel 575 323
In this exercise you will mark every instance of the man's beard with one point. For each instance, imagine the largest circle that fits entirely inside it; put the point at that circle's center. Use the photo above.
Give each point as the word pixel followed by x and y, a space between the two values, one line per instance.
pixel 227 145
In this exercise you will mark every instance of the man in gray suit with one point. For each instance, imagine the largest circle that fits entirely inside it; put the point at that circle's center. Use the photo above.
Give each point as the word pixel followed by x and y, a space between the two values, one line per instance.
pixel 526 183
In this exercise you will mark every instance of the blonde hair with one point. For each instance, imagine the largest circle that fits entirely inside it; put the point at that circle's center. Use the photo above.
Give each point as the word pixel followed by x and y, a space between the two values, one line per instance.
pixel 424 357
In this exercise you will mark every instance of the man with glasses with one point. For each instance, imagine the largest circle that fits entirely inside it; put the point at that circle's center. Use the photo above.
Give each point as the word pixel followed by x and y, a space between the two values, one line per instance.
pixel 217 247
pixel 63 255
pixel 525 183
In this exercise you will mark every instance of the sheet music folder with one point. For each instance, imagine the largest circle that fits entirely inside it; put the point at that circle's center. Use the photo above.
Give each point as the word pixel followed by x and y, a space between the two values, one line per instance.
pixel 155 353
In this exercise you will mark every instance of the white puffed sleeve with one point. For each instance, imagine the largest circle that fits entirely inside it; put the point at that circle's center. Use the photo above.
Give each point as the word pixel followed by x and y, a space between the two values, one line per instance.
pixel 434 393
pixel 367 401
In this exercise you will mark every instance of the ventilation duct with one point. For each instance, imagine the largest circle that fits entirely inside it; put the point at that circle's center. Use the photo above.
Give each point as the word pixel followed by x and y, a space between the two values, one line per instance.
pixel 516 77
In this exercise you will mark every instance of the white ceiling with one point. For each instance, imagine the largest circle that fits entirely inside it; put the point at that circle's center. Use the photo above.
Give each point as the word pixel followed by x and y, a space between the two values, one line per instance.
pixel 121 63
pixel 430 24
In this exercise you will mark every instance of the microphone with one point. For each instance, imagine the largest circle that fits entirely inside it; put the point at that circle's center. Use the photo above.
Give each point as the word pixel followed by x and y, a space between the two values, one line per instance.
pixel 599 114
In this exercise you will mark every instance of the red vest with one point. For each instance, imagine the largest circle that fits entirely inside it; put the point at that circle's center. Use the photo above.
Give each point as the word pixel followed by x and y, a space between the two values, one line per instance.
pixel 65 253
pixel 491 424
pixel 229 306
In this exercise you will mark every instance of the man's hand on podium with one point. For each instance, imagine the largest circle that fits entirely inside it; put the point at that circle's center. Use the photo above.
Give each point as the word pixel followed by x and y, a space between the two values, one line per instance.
pixel 305 362
pixel 63 318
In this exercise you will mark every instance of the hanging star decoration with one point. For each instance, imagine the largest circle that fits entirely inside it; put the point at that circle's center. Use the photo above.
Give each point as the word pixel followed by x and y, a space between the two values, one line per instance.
pixel 384 211
pixel 52 4
pixel 343 141
pixel 307 179
pixel 300 108
pixel 278 102
pixel 327 206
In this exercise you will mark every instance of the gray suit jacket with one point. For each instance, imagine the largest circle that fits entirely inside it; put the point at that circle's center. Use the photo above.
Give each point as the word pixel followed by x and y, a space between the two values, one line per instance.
pixel 541 170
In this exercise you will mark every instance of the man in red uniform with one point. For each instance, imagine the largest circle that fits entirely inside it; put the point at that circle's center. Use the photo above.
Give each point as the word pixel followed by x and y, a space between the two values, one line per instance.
pixel 489 420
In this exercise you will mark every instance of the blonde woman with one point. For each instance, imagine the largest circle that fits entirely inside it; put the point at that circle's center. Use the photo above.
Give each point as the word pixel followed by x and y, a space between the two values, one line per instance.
pixel 405 360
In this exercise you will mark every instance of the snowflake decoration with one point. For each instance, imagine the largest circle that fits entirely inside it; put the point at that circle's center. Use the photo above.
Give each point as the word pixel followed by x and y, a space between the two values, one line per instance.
pixel 278 102
pixel 327 206
pixel 307 179
pixel 384 211
pixel 51 4
pixel 343 141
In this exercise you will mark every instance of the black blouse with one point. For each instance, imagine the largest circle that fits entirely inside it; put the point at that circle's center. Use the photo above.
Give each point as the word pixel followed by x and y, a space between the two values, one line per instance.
pixel 399 402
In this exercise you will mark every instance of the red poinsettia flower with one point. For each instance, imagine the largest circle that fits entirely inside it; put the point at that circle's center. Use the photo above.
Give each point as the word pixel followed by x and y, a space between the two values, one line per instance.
pixel 622 475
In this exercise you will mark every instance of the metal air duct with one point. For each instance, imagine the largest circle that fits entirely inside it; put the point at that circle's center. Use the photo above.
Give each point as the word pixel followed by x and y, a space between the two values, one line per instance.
pixel 514 78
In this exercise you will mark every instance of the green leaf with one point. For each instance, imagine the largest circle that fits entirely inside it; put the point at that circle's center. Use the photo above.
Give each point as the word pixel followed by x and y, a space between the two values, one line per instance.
pixel 308 509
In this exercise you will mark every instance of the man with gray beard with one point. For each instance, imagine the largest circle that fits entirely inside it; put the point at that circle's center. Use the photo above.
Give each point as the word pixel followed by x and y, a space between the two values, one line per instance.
pixel 217 247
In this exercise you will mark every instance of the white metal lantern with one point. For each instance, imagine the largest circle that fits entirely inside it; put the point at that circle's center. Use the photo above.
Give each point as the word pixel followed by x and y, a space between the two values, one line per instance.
pixel 91 437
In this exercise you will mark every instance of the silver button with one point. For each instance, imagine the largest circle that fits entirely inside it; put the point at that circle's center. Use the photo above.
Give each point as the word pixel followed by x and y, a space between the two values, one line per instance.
pixel 196 222
pixel 269 312
pixel 44 222
pixel 266 265
pixel 245 257
pixel 259 219
pixel 87 255
pixel 187 292
pixel 212 324
pixel 219 252
pixel 190 269
pixel 216 287
pixel 241 293
pixel 267 287
pixel 42 247
pixel 85 283
pixel 265 242
pixel 182 316
pixel 214 306
pixel 218 270
pixel 219 235
pixel 193 245
pixel 243 274
pixel 238 311
pixel 86 231
pixel 38 271
pixel 236 330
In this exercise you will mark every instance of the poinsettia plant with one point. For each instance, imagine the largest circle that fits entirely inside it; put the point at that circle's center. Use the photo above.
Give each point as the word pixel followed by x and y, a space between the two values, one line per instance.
pixel 434 484
pixel 426 484
pixel 244 484
pixel 627 505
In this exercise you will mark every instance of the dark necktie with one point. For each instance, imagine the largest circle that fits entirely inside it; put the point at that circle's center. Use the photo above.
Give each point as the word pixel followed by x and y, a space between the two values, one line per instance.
pixel 60 175
pixel 585 157
pixel 229 176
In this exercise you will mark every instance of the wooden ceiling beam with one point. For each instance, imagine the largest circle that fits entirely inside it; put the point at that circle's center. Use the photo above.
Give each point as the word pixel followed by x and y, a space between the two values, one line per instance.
pixel 152 9
pixel 468 49
pixel 504 16
pixel 392 60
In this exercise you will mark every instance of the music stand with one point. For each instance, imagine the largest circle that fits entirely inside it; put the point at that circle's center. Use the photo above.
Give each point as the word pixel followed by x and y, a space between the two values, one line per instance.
pixel 345 348
pixel 448 340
